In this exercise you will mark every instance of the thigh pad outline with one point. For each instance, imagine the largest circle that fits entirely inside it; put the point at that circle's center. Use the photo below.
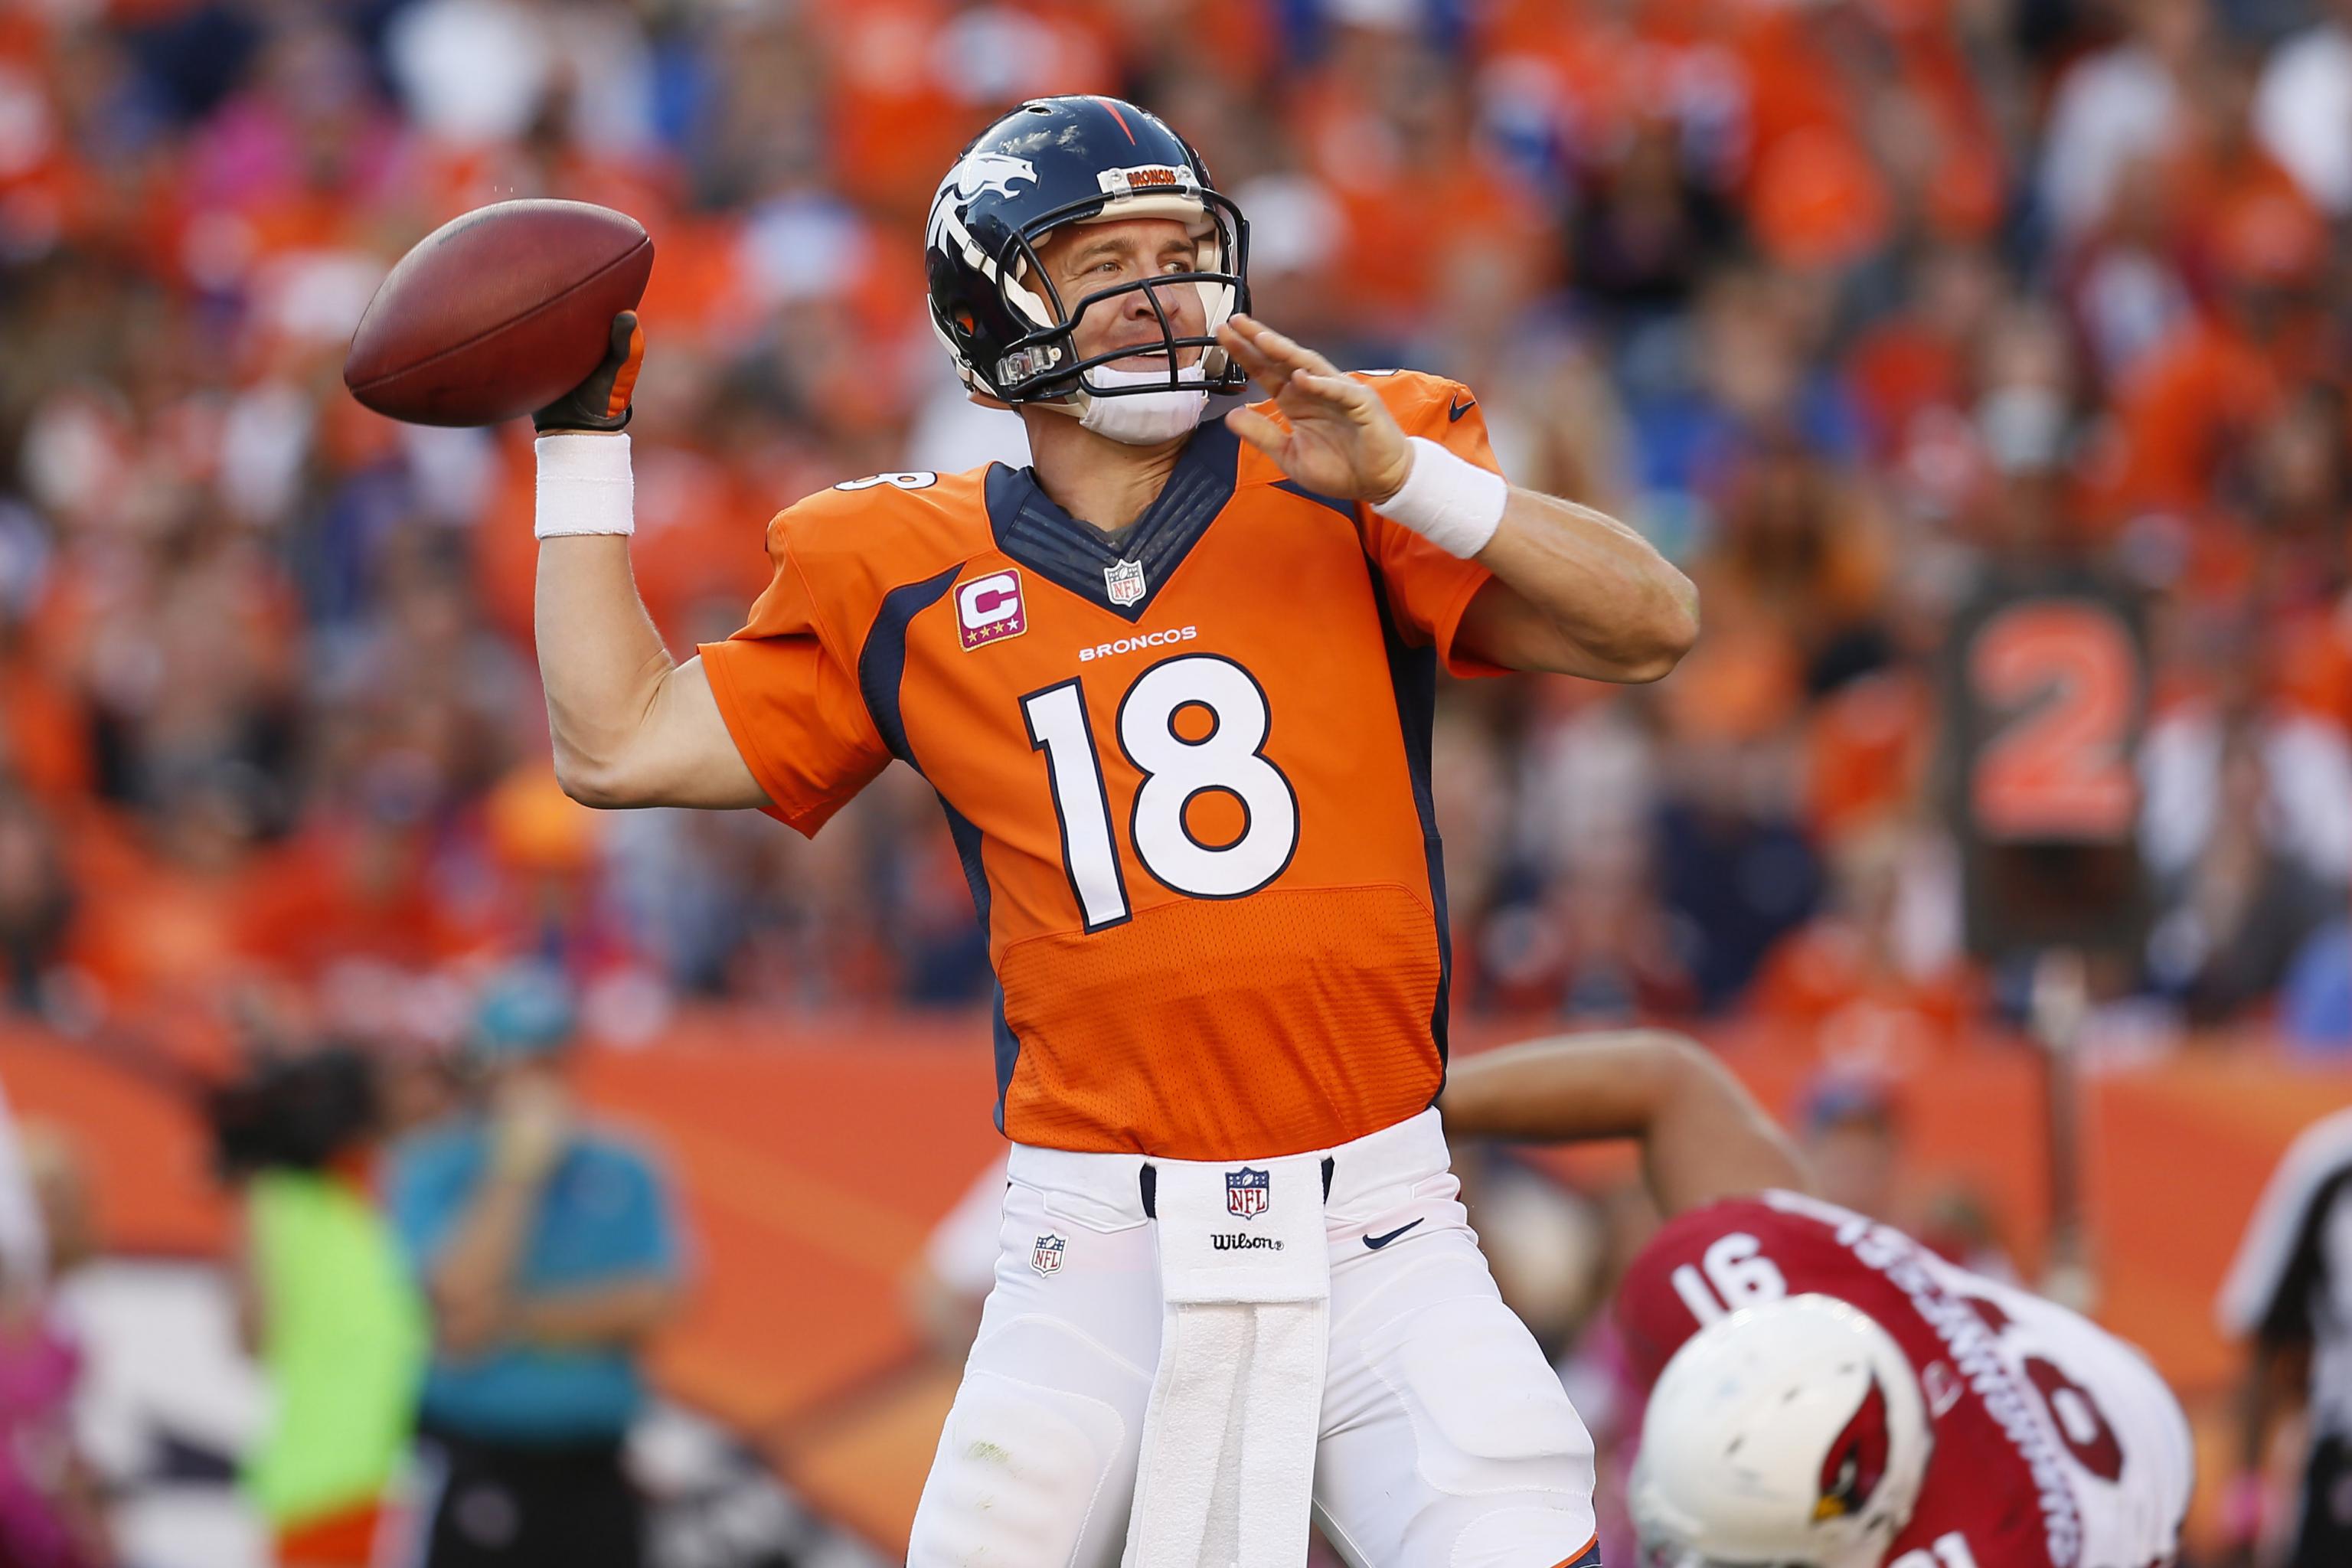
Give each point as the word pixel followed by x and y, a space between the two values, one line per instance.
pixel 1488 1413
pixel 1022 1466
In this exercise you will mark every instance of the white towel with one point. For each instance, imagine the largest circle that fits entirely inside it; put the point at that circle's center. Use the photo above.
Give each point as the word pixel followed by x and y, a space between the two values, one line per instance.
pixel 1227 1470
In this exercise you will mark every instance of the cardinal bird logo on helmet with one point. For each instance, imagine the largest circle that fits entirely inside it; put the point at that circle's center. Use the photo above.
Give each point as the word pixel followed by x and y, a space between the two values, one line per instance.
pixel 1856 1462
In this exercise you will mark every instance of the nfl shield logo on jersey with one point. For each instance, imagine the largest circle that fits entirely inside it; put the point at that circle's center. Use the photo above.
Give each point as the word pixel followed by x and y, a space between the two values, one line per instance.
pixel 1125 582
pixel 1247 1192
pixel 1046 1258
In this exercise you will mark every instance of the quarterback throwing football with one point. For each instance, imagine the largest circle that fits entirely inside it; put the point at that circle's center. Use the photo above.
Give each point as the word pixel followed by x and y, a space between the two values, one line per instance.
pixel 1172 686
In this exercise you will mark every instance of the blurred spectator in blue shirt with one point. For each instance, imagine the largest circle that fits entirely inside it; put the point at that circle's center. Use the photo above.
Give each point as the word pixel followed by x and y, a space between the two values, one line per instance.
pixel 550 1252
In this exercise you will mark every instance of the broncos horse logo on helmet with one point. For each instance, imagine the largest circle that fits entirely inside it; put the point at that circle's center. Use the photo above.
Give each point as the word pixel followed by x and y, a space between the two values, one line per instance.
pixel 1051 163
pixel 975 173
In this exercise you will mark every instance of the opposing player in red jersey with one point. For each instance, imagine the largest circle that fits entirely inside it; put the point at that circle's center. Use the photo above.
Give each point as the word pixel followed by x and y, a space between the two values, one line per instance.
pixel 1173 685
pixel 1824 1391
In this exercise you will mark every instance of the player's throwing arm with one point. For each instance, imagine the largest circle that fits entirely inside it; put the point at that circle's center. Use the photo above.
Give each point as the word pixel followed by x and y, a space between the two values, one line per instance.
pixel 529 307
pixel 630 726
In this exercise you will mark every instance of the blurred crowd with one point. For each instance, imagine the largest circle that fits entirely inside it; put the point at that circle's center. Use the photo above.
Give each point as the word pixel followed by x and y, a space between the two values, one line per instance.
pixel 1848 304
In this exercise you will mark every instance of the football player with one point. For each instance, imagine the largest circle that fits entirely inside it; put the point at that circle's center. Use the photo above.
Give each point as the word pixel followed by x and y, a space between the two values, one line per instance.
pixel 1172 686
pixel 1824 1391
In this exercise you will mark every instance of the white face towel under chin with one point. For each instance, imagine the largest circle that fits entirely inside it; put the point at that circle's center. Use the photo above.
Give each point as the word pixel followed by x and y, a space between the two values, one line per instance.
pixel 1227 1470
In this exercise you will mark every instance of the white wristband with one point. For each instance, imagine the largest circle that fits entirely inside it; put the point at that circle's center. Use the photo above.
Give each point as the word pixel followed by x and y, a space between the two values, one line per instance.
pixel 585 485
pixel 1448 500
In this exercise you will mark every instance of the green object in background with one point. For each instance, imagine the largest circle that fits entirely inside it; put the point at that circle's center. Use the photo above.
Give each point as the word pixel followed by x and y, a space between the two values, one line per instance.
pixel 343 1344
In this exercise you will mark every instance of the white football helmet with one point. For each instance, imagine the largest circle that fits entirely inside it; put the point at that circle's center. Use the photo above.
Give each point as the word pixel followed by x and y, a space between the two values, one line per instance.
pixel 1790 1433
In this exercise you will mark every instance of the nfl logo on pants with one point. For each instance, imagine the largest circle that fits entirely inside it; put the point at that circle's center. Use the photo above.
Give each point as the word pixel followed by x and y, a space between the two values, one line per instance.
pixel 1247 1192
pixel 1045 1257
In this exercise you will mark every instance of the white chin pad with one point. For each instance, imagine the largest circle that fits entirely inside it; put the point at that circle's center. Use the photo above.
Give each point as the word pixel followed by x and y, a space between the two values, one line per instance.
pixel 1143 418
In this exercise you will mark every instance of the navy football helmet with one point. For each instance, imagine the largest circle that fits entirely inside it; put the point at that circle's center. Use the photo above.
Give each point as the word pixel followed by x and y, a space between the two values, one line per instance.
pixel 1059 161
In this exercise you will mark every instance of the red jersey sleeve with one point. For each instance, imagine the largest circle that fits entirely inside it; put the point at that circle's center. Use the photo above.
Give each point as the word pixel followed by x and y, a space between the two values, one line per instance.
pixel 788 691
pixel 1428 589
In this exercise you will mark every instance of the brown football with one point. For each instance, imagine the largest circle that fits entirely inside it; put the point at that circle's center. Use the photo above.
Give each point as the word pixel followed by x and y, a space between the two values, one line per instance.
pixel 497 312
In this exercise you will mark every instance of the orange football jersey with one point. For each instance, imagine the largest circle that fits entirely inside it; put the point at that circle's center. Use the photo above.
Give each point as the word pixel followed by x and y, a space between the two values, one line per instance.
pixel 1187 769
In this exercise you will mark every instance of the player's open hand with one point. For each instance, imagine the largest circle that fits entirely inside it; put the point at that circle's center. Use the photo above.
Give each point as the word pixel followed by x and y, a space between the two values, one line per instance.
pixel 1334 435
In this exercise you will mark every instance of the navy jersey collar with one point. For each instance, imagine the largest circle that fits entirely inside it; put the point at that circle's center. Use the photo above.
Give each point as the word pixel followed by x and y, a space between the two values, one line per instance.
pixel 1034 531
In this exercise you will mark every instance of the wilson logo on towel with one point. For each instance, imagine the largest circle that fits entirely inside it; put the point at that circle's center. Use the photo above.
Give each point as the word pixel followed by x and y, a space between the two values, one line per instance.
pixel 1242 1241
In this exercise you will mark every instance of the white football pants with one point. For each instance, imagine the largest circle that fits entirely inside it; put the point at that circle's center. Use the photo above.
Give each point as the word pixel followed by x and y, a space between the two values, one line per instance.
pixel 1445 1440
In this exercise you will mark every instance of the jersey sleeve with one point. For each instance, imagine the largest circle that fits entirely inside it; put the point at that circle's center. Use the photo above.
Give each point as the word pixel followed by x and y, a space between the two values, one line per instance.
pixel 1428 589
pixel 788 691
